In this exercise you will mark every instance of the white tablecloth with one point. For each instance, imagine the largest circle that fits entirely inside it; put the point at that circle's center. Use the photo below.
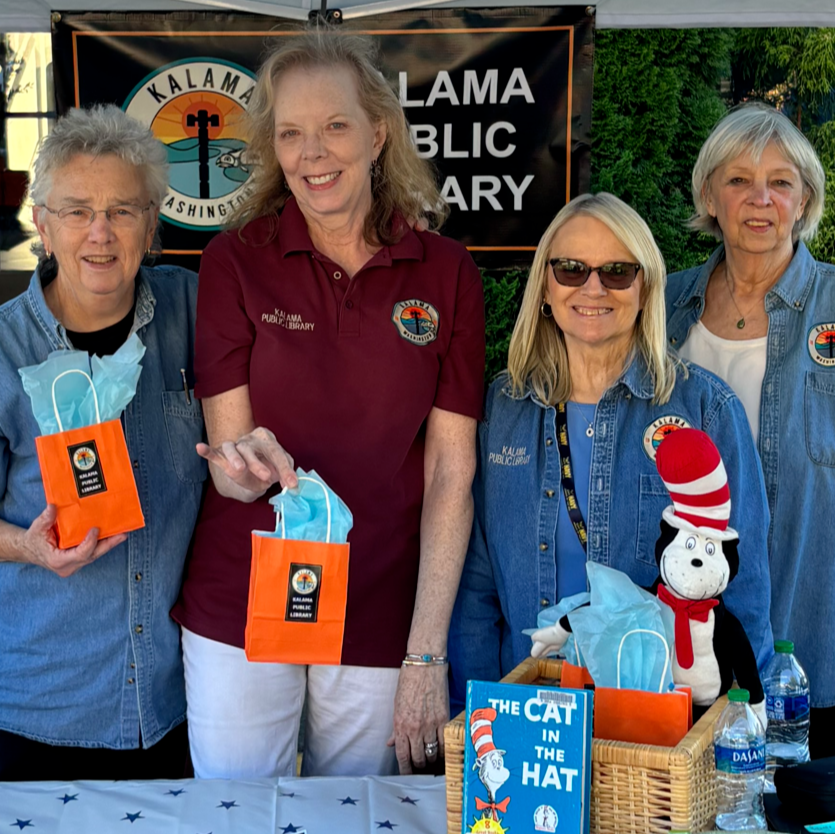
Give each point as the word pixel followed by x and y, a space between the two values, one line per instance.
pixel 314 804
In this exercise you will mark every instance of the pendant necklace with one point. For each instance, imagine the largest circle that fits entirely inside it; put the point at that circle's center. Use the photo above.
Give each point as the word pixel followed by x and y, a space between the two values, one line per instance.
pixel 590 430
pixel 741 323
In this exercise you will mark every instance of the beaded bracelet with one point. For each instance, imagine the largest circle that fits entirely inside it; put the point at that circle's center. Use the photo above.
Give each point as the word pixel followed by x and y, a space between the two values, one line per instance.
pixel 425 660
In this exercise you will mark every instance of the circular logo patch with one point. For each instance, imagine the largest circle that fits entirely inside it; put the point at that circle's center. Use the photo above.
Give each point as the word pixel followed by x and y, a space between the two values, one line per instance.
pixel 195 107
pixel 416 321
pixel 545 819
pixel 84 459
pixel 304 581
pixel 821 344
pixel 659 429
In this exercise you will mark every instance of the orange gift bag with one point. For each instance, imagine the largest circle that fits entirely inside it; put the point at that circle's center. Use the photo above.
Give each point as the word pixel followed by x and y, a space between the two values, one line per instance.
pixel 87 475
pixel 298 592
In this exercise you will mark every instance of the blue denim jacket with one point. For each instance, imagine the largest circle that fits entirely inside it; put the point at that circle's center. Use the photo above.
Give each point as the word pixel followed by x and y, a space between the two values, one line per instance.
pixel 510 570
pixel 797 449
pixel 94 659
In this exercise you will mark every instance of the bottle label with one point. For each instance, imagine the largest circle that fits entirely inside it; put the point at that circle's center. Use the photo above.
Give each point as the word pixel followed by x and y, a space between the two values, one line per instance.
pixel 784 708
pixel 749 760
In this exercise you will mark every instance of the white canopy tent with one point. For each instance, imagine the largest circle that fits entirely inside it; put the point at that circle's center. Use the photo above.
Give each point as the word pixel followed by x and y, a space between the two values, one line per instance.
pixel 34 15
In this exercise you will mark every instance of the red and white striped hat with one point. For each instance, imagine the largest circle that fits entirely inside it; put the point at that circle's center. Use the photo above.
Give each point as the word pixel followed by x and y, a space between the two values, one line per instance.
pixel 481 731
pixel 692 470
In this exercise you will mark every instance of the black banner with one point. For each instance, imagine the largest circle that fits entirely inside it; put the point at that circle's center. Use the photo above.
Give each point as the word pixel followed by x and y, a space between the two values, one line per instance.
pixel 498 99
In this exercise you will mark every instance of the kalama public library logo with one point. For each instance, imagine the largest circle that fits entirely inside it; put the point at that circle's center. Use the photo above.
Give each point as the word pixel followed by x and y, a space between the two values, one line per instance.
pixel 195 107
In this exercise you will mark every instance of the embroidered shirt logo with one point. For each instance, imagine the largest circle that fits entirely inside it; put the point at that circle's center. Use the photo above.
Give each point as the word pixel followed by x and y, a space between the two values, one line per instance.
pixel 822 344
pixel 510 456
pixel 290 321
pixel 659 429
pixel 416 321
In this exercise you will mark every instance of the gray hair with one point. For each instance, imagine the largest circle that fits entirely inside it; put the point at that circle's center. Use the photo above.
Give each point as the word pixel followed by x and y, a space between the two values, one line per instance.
pixel 100 130
pixel 538 358
pixel 747 130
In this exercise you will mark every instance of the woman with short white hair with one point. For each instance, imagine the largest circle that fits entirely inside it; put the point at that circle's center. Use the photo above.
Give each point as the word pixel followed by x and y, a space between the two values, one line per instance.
pixel 566 469
pixel 760 313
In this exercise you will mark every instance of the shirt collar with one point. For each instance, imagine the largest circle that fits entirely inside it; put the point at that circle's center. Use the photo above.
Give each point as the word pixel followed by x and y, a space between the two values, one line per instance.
pixel 792 288
pixel 55 331
pixel 294 237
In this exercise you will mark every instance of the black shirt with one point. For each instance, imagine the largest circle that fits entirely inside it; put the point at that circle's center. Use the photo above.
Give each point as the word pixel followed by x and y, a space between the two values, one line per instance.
pixel 105 341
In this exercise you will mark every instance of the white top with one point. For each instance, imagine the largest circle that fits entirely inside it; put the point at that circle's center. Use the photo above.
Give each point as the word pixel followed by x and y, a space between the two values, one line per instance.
pixel 739 362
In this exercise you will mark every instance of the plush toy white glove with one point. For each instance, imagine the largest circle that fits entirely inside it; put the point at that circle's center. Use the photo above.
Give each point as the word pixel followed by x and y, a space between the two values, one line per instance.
pixel 548 640
pixel 759 709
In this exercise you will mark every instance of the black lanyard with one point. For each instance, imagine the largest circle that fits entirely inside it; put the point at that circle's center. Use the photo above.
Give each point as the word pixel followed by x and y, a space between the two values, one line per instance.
pixel 567 477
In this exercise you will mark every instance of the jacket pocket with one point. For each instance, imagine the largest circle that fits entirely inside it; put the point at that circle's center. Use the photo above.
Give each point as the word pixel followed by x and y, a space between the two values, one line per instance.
pixel 652 501
pixel 184 426
pixel 819 407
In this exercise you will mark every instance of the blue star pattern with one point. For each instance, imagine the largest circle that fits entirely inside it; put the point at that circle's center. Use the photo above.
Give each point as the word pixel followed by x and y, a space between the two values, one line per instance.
pixel 21 823
pixel 67 798
pixel 408 799
pixel 291 828
pixel 132 818
pixel 347 801
pixel 228 804
pixel 386 825
pixel 176 792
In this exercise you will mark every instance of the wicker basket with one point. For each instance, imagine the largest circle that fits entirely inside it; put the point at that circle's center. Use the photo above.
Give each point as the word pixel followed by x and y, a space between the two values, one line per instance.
pixel 634 788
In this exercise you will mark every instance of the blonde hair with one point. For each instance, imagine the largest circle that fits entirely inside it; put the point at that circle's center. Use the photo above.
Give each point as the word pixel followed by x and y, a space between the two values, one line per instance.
pixel 747 130
pixel 538 359
pixel 403 182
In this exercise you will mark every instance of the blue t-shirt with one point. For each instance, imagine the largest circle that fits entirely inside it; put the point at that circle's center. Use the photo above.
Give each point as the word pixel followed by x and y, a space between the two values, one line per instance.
pixel 571 558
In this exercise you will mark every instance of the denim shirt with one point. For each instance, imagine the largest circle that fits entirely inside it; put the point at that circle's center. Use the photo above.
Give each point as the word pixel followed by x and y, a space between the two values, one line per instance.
pixel 94 659
pixel 510 569
pixel 797 449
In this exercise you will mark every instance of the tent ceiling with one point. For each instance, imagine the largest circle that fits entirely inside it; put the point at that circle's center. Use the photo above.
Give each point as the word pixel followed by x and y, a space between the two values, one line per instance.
pixel 33 15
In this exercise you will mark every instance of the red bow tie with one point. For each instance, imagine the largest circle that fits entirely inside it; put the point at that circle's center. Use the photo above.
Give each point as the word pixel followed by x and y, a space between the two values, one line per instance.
pixel 493 807
pixel 685 611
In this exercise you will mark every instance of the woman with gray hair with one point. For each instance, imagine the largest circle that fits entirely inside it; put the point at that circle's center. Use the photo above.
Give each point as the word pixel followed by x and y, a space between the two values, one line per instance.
pixel 91 674
pixel 760 313
pixel 566 467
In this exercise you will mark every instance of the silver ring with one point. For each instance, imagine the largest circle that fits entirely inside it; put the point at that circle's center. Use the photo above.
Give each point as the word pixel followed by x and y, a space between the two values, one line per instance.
pixel 431 748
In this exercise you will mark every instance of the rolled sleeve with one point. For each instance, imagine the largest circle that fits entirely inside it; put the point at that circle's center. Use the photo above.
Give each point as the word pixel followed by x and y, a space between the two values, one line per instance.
pixel 749 594
pixel 461 380
pixel 475 639
pixel 224 332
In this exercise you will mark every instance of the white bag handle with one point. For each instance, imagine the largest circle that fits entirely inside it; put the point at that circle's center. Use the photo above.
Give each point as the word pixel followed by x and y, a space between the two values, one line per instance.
pixel 327 503
pixel 666 651
pixel 89 380
pixel 577 650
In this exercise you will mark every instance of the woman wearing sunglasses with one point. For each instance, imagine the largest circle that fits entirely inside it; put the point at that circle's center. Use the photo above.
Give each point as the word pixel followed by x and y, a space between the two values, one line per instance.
pixel 566 468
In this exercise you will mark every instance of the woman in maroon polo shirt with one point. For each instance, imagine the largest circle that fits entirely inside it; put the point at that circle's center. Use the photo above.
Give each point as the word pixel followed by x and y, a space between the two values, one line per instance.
pixel 332 336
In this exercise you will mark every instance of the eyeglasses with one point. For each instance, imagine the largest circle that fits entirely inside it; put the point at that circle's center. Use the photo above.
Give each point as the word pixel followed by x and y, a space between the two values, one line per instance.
pixel 618 275
pixel 80 217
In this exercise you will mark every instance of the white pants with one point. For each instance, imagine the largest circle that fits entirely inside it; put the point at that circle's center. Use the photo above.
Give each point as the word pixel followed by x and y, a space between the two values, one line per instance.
pixel 243 717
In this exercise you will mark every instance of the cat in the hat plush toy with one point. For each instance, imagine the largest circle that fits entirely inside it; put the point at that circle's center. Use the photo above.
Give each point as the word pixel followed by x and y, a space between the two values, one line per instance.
pixel 697 558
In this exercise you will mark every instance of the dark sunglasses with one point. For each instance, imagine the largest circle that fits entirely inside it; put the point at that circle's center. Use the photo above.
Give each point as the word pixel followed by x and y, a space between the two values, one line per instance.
pixel 615 276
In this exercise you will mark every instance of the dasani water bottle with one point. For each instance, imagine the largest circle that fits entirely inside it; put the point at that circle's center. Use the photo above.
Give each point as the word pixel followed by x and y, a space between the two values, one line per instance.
pixel 739 746
pixel 787 707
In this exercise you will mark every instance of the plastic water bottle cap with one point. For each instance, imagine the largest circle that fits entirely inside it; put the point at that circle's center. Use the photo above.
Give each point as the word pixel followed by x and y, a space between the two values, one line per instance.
pixel 738 695
pixel 784 646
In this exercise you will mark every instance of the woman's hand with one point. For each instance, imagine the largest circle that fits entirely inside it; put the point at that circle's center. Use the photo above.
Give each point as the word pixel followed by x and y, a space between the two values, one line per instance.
pixel 252 464
pixel 421 709
pixel 39 546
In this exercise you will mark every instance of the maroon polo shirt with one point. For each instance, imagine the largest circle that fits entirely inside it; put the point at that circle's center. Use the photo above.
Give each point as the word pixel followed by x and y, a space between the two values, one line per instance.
pixel 344 372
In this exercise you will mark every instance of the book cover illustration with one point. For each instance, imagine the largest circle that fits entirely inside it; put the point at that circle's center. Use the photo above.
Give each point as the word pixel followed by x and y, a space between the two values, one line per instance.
pixel 527 761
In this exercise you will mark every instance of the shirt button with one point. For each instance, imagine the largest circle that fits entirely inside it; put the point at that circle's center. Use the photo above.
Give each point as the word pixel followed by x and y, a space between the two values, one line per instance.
pixel 130 681
pixel 549 441
pixel 337 275
pixel 544 602
pixel 673 341
pixel 549 494
pixel 135 465
pixel 133 666
pixel 543 546
pixel 349 304
pixel 137 577
pixel 138 628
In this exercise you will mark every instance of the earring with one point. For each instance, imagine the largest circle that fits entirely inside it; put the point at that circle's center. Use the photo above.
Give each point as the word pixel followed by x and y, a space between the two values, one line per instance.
pixel 148 252
pixel 48 253
pixel 375 167
pixel 545 310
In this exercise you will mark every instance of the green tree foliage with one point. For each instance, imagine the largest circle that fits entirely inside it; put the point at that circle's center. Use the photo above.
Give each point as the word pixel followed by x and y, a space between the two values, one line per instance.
pixel 656 98
pixel 502 296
